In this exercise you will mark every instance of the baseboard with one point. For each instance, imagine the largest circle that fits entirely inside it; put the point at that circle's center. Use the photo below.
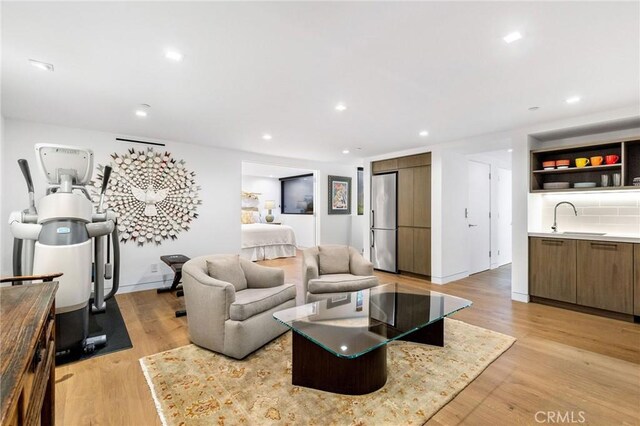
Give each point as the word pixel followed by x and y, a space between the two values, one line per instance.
pixel 583 309
pixel 132 288
pixel 520 297
pixel 449 278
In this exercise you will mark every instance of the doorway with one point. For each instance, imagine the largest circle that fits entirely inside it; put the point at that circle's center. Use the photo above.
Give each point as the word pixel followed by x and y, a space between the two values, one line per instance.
pixel 478 216
pixel 271 185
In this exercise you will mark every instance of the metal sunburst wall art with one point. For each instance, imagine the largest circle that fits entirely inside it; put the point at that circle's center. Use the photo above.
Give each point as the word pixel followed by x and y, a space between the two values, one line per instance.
pixel 154 195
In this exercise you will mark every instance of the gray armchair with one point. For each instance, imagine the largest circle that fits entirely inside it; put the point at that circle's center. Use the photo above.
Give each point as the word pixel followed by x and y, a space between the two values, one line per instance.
pixel 329 270
pixel 230 303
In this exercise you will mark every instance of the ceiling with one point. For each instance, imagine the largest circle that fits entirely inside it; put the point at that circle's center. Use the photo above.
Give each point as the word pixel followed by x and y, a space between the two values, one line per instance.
pixel 271 171
pixel 280 68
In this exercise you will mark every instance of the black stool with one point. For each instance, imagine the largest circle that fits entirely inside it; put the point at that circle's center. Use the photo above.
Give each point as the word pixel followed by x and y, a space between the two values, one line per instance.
pixel 175 262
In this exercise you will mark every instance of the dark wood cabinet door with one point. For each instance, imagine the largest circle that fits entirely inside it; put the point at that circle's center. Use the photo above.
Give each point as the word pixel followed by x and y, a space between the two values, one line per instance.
pixel 384 165
pixel 636 285
pixel 405 197
pixel 422 196
pixel 605 275
pixel 405 249
pixel 422 251
pixel 552 269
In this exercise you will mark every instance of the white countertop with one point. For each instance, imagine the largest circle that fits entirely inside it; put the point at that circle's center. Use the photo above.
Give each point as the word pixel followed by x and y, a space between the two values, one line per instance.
pixel 618 238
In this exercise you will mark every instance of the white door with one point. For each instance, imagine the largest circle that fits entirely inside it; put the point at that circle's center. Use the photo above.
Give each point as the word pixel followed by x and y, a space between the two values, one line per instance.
pixel 504 217
pixel 478 217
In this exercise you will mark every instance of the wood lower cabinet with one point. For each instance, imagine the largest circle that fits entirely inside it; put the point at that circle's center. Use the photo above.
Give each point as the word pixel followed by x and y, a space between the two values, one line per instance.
pixel 552 269
pixel 605 275
pixel 636 280
pixel 414 250
pixel 422 251
pixel 406 253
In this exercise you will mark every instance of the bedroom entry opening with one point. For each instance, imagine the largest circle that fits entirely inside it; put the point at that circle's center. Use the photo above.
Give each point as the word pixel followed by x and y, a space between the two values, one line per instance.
pixel 279 210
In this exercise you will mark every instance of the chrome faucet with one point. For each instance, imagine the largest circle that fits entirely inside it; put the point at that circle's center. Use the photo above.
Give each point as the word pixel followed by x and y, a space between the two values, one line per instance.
pixel 555 212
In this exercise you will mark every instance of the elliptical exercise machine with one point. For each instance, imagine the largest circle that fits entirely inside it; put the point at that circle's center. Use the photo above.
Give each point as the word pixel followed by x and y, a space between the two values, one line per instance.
pixel 67 235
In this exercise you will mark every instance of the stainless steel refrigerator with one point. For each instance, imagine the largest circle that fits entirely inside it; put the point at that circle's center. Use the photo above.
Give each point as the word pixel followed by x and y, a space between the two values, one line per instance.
pixel 384 223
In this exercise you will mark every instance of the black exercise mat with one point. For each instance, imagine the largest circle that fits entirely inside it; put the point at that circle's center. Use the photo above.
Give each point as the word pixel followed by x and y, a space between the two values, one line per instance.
pixel 110 323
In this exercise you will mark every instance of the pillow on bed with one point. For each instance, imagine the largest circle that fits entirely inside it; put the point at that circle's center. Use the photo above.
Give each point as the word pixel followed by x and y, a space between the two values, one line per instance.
pixel 246 218
pixel 333 260
pixel 227 269
pixel 249 217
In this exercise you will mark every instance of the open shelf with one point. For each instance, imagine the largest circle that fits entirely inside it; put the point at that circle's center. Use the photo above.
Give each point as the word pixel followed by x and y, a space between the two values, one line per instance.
pixel 581 169
pixel 596 189
pixel 628 166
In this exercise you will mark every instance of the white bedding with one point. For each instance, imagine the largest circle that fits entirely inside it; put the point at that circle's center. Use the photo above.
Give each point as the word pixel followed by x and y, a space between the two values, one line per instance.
pixel 261 241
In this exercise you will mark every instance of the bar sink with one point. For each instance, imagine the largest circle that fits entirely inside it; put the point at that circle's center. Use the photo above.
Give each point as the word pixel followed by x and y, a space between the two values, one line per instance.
pixel 584 233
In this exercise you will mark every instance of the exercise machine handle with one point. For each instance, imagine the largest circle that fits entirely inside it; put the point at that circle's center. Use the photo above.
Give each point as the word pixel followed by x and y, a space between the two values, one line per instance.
pixel 24 166
pixel 105 179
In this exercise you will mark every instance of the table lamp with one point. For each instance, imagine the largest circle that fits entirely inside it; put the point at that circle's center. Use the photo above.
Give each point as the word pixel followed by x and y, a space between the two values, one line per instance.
pixel 269 205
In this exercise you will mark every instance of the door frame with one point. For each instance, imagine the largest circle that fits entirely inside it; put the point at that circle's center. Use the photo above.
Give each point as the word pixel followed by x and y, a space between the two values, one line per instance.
pixel 490 214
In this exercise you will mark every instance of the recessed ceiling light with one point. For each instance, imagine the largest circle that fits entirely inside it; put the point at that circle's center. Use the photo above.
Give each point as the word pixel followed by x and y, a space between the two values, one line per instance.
pixel 573 100
pixel 510 150
pixel 341 107
pixel 267 137
pixel 424 133
pixel 345 151
pixel 534 108
pixel 511 37
pixel 41 65
pixel 142 110
pixel 174 55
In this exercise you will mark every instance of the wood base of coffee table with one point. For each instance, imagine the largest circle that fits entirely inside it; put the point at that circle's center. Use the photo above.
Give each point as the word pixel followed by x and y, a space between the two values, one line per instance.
pixel 432 334
pixel 315 367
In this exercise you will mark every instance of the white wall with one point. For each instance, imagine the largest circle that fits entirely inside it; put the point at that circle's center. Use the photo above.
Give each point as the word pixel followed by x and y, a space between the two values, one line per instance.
pixel 218 172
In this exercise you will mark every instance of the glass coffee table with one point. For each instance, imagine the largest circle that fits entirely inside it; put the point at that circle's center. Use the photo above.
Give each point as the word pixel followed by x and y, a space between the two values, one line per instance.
pixel 340 344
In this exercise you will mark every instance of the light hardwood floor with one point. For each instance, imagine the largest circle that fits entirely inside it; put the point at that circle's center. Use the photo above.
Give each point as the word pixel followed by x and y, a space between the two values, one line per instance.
pixel 563 362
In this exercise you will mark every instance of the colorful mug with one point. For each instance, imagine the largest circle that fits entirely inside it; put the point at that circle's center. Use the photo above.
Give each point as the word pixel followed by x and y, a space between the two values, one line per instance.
pixel 596 161
pixel 611 159
pixel 581 162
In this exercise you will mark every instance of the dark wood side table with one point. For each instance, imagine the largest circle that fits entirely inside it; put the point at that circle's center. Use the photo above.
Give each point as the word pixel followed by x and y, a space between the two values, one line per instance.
pixel 175 262
pixel 27 354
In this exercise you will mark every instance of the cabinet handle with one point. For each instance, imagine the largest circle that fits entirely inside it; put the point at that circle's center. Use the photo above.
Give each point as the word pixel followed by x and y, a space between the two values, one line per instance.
pixel 553 241
pixel 605 244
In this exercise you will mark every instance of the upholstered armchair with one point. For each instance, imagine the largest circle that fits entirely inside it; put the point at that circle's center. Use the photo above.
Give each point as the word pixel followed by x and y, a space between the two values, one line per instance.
pixel 230 303
pixel 329 270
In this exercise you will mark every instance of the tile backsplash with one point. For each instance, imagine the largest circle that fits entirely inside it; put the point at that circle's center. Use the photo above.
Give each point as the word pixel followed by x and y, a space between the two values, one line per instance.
pixel 614 213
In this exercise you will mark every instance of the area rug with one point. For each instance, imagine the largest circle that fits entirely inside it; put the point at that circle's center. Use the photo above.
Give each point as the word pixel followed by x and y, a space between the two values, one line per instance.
pixel 193 386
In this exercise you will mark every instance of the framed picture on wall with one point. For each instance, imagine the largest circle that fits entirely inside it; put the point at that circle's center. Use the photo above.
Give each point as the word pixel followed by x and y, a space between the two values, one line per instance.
pixel 339 195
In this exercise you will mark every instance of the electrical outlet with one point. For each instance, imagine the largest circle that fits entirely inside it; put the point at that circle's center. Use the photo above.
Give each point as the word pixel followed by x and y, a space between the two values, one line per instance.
pixel 154 267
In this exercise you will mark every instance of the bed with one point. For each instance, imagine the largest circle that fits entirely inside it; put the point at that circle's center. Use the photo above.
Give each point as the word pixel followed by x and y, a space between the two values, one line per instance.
pixel 261 241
